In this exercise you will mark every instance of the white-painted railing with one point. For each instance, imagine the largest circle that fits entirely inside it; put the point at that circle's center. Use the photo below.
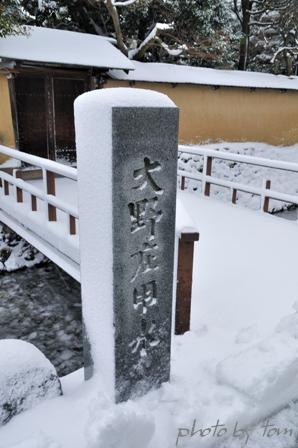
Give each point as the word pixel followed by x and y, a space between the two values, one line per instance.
pixel 207 179
pixel 50 170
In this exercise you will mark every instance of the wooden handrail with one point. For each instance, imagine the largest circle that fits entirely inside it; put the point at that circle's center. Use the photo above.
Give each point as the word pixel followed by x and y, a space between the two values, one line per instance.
pixel 49 170
pixel 49 165
pixel 207 179
pixel 232 157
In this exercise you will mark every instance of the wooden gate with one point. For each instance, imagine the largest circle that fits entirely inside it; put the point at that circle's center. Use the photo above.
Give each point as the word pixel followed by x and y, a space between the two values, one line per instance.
pixel 44 112
pixel 31 115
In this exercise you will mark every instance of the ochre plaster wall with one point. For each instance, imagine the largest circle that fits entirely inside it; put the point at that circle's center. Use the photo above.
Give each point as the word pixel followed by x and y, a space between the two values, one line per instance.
pixel 7 137
pixel 230 113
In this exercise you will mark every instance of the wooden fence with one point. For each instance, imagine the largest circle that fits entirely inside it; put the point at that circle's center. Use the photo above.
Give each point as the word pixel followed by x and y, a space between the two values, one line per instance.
pixel 207 179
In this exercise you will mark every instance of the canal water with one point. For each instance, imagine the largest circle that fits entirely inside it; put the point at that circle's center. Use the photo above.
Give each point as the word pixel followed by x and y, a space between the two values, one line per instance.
pixel 42 305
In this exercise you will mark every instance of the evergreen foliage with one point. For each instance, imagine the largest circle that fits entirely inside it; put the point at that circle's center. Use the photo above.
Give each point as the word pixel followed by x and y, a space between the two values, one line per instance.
pixel 11 16
pixel 246 34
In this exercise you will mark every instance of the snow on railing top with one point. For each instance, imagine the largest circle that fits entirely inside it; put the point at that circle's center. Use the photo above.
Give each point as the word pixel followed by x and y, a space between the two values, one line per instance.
pixel 49 170
pixel 49 165
pixel 259 161
pixel 47 194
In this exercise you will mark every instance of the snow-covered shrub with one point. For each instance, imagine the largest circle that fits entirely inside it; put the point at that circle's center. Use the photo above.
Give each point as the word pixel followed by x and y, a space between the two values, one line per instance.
pixel 15 252
pixel 26 378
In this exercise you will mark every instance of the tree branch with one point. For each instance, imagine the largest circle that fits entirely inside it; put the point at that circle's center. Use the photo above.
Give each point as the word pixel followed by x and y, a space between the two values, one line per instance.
pixel 292 50
pixel 262 23
pixel 124 3
pixel 236 11
pixel 116 22
pixel 153 36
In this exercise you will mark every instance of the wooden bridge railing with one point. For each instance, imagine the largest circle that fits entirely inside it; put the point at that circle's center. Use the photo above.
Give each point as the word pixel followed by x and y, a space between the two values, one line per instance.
pixel 49 170
pixel 207 179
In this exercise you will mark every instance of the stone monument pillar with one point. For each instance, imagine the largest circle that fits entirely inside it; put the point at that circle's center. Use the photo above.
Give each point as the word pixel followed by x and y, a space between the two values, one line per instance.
pixel 127 175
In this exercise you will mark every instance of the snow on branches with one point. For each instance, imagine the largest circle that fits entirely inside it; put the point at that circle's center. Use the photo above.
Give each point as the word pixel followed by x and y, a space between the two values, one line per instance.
pixel 153 38
pixel 269 33
pixel 124 3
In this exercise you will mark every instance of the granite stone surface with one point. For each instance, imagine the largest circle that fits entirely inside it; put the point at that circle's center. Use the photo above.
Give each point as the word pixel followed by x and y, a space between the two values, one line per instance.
pixel 145 147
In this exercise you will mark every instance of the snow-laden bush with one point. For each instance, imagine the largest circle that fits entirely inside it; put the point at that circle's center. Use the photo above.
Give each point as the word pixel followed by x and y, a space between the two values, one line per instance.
pixel 26 378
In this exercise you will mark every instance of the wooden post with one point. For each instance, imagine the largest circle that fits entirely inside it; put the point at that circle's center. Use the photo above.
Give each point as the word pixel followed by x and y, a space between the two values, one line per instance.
pixel 234 196
pixel 50 120
pixel 184 282
pixel 72 225
pixel 207 172
pixel 33 203
pixel 6 188
pixel 182 183
pixel 19 191
pixel 52 212
pixel 266 198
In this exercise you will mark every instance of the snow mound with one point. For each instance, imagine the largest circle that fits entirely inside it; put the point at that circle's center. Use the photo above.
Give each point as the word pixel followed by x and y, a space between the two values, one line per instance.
pixel 40 441
pixel 123 427
pixel 26 378
pixel 289 324
pixel 267 371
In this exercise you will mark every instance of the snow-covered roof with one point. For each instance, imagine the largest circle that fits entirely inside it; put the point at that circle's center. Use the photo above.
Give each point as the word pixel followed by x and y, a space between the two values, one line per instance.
pixel 52 46
pixel 183 74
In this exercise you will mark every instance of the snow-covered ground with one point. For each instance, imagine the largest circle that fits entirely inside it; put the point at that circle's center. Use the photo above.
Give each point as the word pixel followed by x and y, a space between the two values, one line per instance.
pixel 243 173
pixel 244 295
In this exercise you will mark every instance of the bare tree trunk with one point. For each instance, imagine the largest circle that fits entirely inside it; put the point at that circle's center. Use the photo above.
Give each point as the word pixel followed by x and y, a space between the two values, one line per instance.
pixel 243 53
pixel 288 63
pixel 246 6
pixel 116 22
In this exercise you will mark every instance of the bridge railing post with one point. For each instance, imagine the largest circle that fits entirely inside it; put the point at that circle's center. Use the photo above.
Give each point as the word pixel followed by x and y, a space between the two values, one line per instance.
pixel 50 188
pixel 266 199
pixel 33 203
pixel 127 147
pixel 184 281
pixel 6 188
pixel 207 171
pixel 72 225
pixel 19 192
